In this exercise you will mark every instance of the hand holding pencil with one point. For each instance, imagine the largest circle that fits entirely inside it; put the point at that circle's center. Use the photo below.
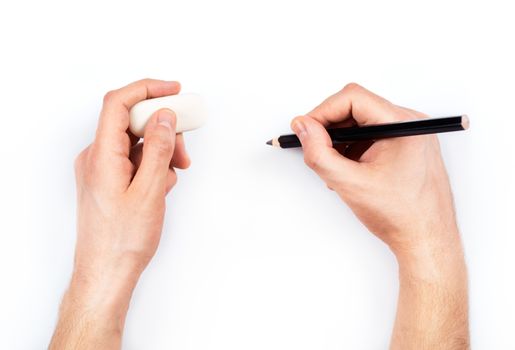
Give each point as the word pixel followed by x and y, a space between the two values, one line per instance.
pixel 393 185
pixel 399 189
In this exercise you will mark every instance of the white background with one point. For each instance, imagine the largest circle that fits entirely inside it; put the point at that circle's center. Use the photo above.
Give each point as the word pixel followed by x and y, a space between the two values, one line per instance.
pixel 256 253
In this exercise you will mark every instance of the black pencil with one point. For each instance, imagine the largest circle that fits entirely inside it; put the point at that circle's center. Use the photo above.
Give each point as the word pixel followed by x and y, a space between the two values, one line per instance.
pixel 382 131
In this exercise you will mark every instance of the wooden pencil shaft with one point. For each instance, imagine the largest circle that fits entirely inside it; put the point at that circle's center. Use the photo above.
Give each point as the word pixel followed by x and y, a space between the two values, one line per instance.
pixel 381 131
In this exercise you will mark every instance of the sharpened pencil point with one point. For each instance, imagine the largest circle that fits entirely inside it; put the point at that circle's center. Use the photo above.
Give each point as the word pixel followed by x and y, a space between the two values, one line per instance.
pixel 269 142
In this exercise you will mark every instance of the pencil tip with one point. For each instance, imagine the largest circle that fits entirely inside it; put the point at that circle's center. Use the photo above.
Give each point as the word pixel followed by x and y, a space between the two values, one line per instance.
pixel 269 142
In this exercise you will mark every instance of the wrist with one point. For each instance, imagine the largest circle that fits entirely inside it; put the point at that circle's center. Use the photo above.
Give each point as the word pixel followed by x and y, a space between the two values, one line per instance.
pixel 433 296
pixel 432 258
pixel 103 287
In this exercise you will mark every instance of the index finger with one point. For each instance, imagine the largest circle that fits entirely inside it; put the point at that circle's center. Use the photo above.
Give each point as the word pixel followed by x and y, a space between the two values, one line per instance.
pixel 114 117
pixel 354 101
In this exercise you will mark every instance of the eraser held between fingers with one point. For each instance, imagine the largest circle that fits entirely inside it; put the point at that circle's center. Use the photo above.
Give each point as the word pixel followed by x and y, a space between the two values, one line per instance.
pixel 190 110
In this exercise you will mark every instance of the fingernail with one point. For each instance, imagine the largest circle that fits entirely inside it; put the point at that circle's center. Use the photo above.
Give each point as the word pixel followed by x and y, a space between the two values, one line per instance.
pixel 300 129
pixel 166 118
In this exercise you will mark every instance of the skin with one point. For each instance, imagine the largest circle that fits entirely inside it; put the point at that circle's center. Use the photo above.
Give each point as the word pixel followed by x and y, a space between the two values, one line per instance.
pixel 400 191
pixel 398 188
pixel 121 189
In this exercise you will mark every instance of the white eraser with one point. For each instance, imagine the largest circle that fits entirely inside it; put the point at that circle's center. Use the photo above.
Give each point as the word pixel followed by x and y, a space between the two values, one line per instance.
pixel 190 110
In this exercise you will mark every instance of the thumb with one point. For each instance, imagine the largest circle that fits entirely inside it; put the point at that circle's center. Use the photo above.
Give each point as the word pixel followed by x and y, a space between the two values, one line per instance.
pixel 158 146
pixel 319 154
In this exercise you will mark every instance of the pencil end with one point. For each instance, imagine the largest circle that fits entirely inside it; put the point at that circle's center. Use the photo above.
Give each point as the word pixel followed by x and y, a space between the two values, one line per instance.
pixel 465 122
pixel 269 142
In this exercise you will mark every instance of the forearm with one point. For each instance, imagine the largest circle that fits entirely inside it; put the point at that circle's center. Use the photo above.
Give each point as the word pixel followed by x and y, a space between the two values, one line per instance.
pixel 92 313
pixel 433 300
pixel 121 189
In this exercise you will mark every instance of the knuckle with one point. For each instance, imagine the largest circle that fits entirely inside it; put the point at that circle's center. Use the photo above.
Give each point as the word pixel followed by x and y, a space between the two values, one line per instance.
pixel 161 145
pixel 312 158
pixel 90 167
pixel 352 88
pixel 93 169
pixel 110 96
pixel 144 81
pixel 80 160
pixel 129 168
pixel 141 83
pixel 401 114
pixel 171 181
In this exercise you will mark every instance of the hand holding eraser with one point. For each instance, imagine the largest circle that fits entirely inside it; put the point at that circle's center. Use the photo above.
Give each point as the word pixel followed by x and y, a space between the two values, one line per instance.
pixel 190 110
